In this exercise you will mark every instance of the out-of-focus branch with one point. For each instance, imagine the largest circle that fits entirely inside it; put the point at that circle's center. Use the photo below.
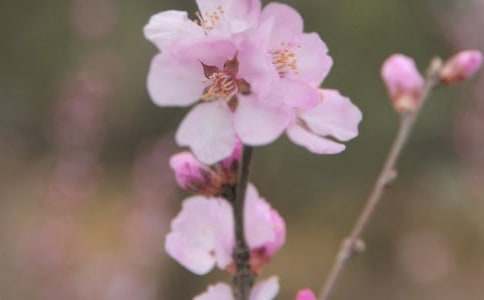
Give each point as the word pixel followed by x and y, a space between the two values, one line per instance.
pixel 354 243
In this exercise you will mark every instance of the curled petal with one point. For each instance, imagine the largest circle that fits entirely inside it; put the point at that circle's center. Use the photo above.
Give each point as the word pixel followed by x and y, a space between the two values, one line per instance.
pixel 174 84
pixel 209 132
pixel 259 124
pixel 312 142
pixel 335 116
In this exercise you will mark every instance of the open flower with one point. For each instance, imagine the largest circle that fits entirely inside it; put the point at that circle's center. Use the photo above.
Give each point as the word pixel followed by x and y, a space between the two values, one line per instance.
pixel 202 235
pixel 217 75
pixel 215 18
pixel 264 290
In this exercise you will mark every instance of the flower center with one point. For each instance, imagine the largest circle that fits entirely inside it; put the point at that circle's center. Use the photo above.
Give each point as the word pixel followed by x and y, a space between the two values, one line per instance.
pixel 209 20
pixel 222 86
pixel 285 59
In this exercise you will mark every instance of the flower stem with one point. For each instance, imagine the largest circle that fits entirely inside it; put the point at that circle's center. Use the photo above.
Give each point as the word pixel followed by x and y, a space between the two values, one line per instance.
pixel 353 243
pixel 244 277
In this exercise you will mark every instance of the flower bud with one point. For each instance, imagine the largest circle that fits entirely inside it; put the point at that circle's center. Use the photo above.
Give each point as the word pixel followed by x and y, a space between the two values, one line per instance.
pixel 262 255
pixel 305 294
pixel 461 66
pixel 192 175
pixel 403 81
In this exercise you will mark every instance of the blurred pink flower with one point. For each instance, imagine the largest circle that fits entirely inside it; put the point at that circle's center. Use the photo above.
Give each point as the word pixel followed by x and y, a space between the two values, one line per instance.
pixel 462 66
pixel 305 294
pixel 404 82
pixel 202 235
pixel 264 290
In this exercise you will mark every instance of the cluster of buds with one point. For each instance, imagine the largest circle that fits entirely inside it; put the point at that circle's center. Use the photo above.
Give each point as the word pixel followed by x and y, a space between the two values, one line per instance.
pixel 197 177
pixel 406 85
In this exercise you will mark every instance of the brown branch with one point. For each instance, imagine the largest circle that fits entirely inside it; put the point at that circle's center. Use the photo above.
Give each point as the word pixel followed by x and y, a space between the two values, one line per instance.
pixel 353 243
pixel 244 278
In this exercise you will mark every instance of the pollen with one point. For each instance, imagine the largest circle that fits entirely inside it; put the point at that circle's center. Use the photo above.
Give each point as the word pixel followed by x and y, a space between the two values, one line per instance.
pixel 285 59
pixel 222 86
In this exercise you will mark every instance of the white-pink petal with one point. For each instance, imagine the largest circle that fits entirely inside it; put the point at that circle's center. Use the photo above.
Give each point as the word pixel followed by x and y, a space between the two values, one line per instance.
pixel 265 290
pixel 335 116
pixel 199 232
pixel 288 23
pixel 168 27
pixel 171 83
pixel 220 291
pixel 313 60
pixel 259 124
pixel 314 143
pixel 258 220
pixel 209 132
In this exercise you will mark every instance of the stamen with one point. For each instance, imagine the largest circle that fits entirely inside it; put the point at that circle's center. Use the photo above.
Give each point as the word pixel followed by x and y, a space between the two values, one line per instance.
pixel 285 59
pixel 209 20
pixel 222 86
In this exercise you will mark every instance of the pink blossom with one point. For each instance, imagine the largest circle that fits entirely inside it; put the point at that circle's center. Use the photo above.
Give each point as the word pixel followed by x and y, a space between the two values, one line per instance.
pixel 319 129
pixel 202 235
pixel 264 290
pixel 404 82
pixel 216 71
pixel 305 294
pixel 220 18
pixel 462 66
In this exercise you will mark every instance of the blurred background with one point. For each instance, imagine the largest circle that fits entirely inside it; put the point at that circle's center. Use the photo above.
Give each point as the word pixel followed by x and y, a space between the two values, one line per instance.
pixel 86 194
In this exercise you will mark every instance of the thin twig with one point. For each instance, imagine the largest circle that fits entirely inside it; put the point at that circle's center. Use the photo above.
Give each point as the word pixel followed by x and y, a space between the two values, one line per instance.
pixel 353 243
pixel 244 278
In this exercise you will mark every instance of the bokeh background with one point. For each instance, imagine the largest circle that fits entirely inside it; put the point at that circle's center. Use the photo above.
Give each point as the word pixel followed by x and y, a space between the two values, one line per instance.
pixel 86 195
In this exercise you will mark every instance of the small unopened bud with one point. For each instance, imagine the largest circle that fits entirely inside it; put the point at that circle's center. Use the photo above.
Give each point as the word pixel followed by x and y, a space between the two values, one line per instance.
pixel 192 175
pixel 305 294
pixel 461 66
pixel 403 81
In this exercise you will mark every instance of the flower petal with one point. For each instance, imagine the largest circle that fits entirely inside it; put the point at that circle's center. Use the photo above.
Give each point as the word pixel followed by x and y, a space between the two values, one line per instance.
pixel 208 130
pixel 200 234
pixel 220 291
pixel 169 26
pixel 171 83
pixel 313 61
pixel 312 142
pixel 258 219
pixel 287 22
pixel 210 51
pixel 265 290
pixel 335 116
pixel 294 94
pixel 259 124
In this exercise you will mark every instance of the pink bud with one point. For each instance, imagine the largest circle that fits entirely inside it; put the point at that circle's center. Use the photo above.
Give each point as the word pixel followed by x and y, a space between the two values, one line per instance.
pixel 404 82
pixel 191 174
pixel 305 294
pixel 461 66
